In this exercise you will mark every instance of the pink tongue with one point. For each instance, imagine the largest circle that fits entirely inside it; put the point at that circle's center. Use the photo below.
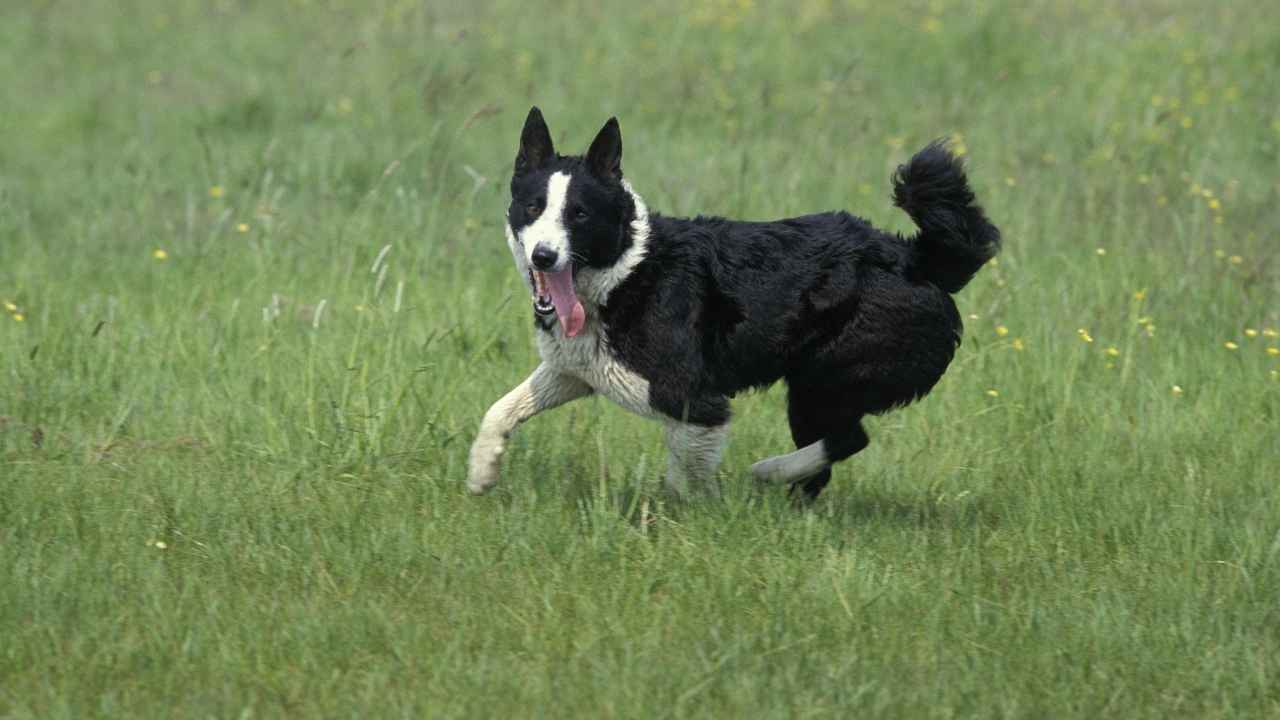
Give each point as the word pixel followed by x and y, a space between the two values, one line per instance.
pixel 572 316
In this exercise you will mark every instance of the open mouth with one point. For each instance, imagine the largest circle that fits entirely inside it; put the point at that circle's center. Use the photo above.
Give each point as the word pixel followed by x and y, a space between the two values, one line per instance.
pixel 542 304
pixel 553 294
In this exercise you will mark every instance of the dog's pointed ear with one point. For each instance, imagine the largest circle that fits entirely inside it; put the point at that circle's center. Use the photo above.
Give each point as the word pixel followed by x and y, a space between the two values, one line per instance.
pixel 536 149
pixel 604 159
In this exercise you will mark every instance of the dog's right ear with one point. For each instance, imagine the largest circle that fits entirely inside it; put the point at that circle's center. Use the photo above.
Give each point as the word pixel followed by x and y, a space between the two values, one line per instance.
pixel 536 149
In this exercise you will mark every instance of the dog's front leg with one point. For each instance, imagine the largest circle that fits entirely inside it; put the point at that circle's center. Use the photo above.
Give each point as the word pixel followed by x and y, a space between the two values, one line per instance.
pixel 546 388
pixel 693 456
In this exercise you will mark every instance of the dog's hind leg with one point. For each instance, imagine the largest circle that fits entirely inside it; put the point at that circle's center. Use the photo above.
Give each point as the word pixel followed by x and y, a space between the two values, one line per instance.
pixel 544 389
pixel 808 462
pixel 827 428
pixel 693 456
pixel 836 446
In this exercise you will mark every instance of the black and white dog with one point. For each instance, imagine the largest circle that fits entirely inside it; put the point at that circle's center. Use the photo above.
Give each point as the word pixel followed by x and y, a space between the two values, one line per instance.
pixel 670 317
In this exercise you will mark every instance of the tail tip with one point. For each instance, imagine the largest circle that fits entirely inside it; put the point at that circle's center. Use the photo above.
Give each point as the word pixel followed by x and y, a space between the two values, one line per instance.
pixel 935 173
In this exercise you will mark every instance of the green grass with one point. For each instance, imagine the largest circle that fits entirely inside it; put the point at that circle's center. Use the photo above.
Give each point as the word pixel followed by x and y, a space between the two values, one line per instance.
pixel 217 504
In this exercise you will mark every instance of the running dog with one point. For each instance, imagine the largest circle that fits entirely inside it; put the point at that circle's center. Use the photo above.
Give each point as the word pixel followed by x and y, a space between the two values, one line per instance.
pixel 671 317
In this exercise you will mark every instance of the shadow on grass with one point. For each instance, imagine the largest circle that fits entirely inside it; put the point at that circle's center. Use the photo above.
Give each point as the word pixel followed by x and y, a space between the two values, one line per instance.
pixel 650 507
pixel 942 511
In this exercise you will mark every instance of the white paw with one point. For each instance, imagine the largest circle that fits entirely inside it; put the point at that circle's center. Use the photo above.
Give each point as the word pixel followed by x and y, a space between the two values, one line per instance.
pixel 771 470
pixel 482 474
pixel 481 478
pixel 794 466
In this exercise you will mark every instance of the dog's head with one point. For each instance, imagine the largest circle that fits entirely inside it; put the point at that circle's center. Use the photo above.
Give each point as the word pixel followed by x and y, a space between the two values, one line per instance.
pixel 574 223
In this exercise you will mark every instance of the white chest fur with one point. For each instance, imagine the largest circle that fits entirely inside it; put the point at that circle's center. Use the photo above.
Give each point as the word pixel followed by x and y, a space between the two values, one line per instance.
pixel 587 357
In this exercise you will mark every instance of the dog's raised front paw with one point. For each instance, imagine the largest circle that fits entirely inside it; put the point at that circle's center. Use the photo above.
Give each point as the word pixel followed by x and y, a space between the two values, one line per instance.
pixel 482 472
pixel 481 477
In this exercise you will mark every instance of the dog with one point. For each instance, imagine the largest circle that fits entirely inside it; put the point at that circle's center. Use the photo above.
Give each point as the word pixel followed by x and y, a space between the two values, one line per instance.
pixel 671 317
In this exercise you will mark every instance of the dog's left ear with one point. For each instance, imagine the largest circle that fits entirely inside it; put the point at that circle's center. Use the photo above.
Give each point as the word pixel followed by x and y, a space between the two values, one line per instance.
pixel 536 148
pixel 604 159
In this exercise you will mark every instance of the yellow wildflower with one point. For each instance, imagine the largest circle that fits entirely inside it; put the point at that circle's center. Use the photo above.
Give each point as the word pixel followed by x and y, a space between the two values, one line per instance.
pixel 1101 251
pixel 1250 332
pixel 1113 352
pixel 1176 390
pixel 159 254
pixel 1084 335
pixel 1230 345
pixel 1186 122
pixel 993 393
pixel 1235 259
pixel 216 192
pixel 19 317
pixel 1273 351
pixel 1215 204
pixel 1018 345
pixel 1002 330
pixel 1140 294
pixel 8 305
pixel 242 227
pixel 1270 332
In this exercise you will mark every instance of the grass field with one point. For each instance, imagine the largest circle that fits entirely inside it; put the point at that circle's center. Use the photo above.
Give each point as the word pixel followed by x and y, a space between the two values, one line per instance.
pixel 256 299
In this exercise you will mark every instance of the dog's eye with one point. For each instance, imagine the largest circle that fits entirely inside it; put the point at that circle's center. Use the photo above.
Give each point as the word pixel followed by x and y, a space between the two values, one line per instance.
pixel 533 210
pixel 580 215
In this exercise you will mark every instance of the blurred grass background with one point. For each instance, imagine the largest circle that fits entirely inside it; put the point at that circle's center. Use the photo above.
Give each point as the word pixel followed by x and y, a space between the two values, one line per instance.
pixel 256 300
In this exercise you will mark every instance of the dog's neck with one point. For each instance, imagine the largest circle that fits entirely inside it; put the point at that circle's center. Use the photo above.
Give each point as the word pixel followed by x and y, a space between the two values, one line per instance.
pixel 596 284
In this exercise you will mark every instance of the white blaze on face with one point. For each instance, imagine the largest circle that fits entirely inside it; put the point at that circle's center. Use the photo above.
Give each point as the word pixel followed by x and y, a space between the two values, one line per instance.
pixel 554 285
pixel 548 230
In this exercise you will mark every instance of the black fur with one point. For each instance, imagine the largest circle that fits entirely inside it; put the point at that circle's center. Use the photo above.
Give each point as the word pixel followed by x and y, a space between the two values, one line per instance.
pixel 955 239
pixel 855 320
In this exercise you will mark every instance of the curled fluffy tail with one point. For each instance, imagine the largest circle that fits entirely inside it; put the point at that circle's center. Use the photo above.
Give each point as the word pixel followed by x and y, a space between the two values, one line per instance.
pixel 955 237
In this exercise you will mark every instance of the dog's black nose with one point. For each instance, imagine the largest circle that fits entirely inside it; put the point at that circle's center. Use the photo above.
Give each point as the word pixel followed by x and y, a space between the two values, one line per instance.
pixel 544 258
